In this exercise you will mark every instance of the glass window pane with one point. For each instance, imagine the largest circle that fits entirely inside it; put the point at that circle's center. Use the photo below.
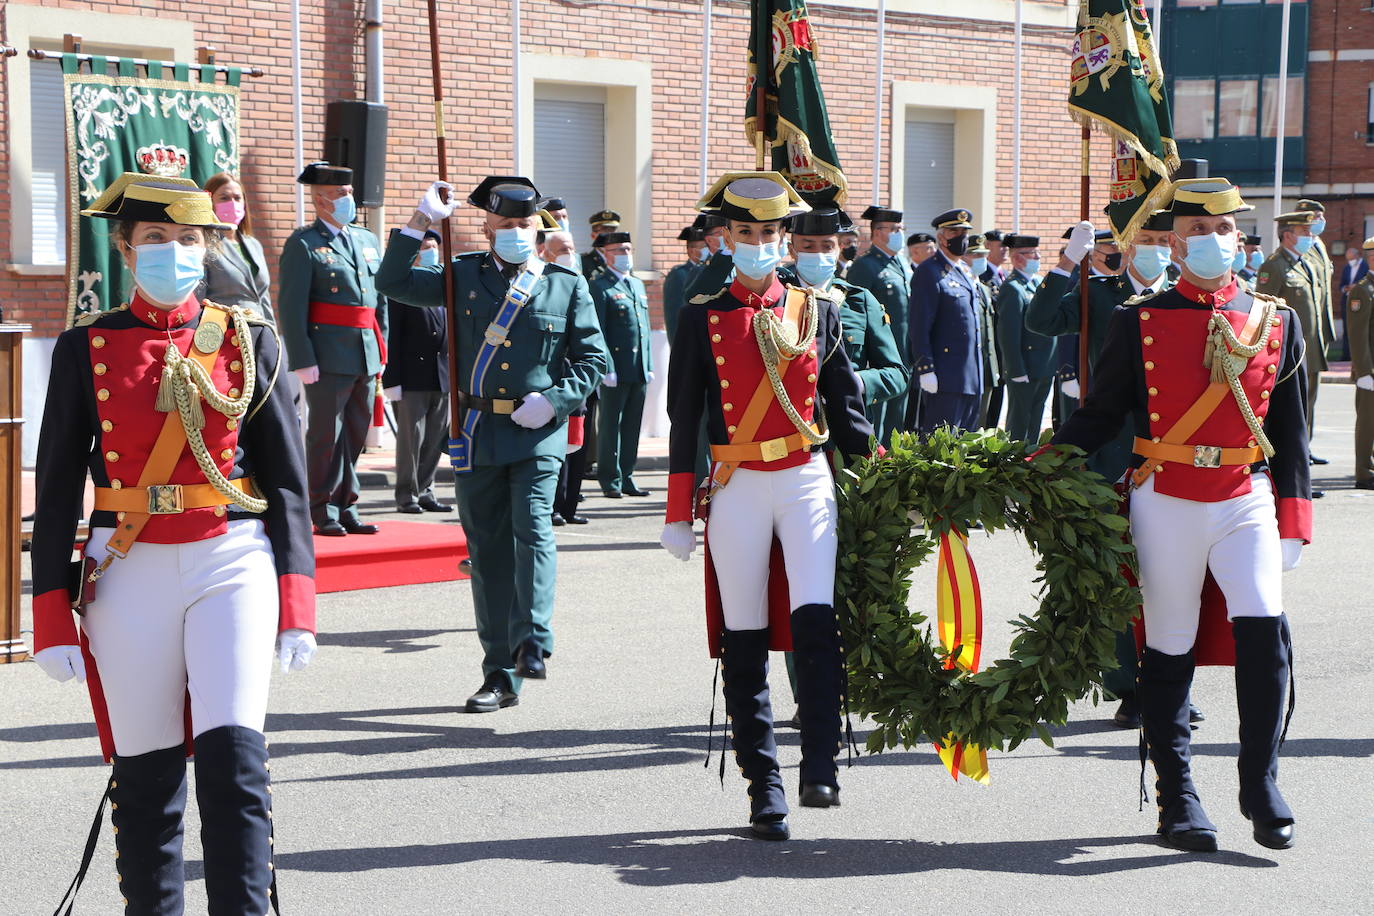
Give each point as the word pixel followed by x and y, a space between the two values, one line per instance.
pixel 1293 108
pixel 1195 109
pixel 1187 3
pixel 1237 108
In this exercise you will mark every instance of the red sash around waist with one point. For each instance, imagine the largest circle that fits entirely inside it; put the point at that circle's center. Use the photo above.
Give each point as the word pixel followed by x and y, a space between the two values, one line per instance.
pixel 348 316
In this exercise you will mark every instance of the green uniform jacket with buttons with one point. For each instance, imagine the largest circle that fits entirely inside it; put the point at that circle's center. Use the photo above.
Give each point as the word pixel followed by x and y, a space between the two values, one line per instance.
pixel 1054 308
pixel 554 346
pixel 870 345
pixel 1359 328
pixel 1024 352
pixel 888 278
pixel 1319 261
pixel 592 264
pixel 1293 280
pixel 622 307
pixel 317 265
pixel 675 287
pixel 987 337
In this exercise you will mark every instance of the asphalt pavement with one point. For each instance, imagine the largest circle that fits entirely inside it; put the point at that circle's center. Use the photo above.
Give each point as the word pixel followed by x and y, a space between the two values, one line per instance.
pixel 592 796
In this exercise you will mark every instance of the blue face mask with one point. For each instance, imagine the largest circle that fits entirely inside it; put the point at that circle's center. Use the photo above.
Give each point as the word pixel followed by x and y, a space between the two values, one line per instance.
pixel 1304 243
pixel 782 248
pixel 895 241
pixel 1238 262
pixel 1256 259
pixel 168 272
pixel 1210 256
pixel 1032 267
pixel 345 210
pixel 429 257
pixel 979 266
pixel 1318 226
pixel 757 261
pixel 514 246
pixel 816 268
pixel 1150 260
pixel 624 263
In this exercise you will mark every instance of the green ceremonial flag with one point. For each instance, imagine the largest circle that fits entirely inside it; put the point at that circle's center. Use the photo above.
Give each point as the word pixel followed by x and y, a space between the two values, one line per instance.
pixel 173 124
pixel 797 130
pixel 1117 85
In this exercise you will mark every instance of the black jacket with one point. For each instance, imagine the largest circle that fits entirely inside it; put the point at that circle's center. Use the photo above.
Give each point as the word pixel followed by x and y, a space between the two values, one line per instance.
pixel 417 349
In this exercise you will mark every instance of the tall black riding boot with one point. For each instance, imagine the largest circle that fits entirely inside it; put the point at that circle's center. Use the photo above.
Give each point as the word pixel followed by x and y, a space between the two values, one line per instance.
pixel 147 802
pixel 236 819
pixel 744 665
pixel 1262 652
pixel 820 694
pixel 1163 697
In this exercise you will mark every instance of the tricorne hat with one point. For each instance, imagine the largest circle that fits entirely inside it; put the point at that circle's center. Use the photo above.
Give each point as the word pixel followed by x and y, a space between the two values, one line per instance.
pixel 150 198
pixel 823 221
pixel 326 174
pixel 506 195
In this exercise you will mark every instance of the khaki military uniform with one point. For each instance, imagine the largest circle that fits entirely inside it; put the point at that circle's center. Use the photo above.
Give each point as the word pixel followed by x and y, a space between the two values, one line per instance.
pixel 1297 282
pixel 1360 331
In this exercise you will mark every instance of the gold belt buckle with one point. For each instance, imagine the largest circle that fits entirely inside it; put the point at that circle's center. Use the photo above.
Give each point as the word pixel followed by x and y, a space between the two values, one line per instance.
pixel 1206 456
pixel 773 449
pixel 164 499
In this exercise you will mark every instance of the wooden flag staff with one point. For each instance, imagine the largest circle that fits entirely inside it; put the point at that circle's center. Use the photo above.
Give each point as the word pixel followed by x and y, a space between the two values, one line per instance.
pixel 455 413
pixel 1085 188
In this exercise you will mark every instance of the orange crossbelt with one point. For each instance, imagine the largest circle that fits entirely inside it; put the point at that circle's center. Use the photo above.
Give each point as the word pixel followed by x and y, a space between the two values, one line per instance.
pixel 959 622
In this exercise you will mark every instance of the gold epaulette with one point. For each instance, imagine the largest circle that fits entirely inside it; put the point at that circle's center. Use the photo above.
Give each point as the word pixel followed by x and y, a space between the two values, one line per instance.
pixel 707 297
pixel 93 317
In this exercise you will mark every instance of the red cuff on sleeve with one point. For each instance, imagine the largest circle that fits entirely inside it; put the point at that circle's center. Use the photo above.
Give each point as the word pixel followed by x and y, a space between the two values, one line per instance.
pixel 297 595
pixel 53 624
pixel 680 490
pixel 1295 518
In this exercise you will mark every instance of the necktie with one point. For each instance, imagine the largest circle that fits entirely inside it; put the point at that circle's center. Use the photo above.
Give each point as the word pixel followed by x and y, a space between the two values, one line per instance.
pixel 1147 292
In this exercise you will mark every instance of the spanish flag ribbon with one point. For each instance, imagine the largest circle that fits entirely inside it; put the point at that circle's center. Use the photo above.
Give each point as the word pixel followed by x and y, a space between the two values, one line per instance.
pixel 959 620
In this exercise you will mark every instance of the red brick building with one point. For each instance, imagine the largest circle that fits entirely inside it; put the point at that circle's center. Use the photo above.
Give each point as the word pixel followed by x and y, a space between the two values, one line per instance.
pixel 633 70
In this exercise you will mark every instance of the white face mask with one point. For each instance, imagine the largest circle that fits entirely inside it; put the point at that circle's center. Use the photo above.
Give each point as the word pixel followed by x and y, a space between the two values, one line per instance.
pixel 566 259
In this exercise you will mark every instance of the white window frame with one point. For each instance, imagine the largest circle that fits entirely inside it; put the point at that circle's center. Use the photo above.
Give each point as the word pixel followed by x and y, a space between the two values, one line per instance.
pixel 975 146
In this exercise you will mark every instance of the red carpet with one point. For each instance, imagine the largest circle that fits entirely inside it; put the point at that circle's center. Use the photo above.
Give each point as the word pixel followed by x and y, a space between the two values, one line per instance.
pixel 401 553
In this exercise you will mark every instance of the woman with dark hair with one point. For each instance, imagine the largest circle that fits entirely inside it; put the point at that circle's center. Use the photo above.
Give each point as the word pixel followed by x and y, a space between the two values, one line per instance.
pixel 199 553
pixel 237 272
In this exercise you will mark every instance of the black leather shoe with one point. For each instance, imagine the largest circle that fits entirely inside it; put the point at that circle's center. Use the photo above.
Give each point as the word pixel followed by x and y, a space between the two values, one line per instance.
pixel 529 661
pixel 359 527
pixel 494 694
pixel 770 828
pixel 411 509
pixel 1318 494
pixel 611 494
pixel 1127 714
pixel 1195 715
pixel 1313 459
pixel 1366 484
pixel 1194 840
pixel 818 795
pixel 631 489
pixel 1272 836
pixel 576 519
pixel 465 565
pixel 330 529
pixel 558 520
pixel 430 504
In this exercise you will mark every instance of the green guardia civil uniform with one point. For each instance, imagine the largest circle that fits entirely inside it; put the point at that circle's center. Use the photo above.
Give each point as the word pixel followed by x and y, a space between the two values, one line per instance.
pixel 1297 282
pixel 554 347
pixel 1360 331
pixel 675 286
pixel 1024 353
pixel 988 346
pixel 871 347
pixel 888 278
pixel 622 307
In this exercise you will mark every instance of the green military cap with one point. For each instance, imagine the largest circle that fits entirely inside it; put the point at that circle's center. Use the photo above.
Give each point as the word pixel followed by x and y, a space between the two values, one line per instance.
pixel 1296 218
pixel 154 199
pixel 604 218
pixel 958 218
pixel 324 173
pixel 611 238
pixel 506 195
pixel 978 244
pixel 1206 197
pixel 1313 205
pixel 753 197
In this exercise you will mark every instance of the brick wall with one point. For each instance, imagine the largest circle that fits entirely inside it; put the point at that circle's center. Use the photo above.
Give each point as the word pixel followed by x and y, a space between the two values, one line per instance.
pixel 477 71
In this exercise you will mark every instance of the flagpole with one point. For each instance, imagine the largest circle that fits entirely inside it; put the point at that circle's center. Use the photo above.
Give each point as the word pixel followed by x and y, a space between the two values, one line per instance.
pixel 455 418
pixel 1084 194
pixel 878 103
pixel 296 106
pixel 1154 25
pixel 1016 129
pixel 1282 103
pixel 515 87
pixel 705 90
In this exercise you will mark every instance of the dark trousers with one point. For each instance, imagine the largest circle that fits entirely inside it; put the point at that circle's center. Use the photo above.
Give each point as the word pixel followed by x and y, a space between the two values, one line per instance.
pixel 421 437
pixel 1026 408
pixel 945 409
pixel 340 414
pixel 569 492
pixel 619 418
pixel 992 406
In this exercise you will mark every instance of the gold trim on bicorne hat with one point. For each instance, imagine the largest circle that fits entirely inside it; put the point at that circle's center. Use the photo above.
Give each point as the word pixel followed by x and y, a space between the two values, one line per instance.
pixel 549 223
pixel 154 199
pixel 1296 218
pixel 1368 244
pixel 1206 197
pixel 753 197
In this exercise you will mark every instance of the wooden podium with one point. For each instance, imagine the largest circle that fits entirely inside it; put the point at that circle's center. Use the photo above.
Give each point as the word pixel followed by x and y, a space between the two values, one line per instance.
pixel 12 646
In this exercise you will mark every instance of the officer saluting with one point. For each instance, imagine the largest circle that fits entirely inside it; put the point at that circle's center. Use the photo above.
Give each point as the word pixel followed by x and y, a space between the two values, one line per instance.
pixel 529 351
pixel 886 274
pixel 622 305
pixel 944 329
pixel 335 340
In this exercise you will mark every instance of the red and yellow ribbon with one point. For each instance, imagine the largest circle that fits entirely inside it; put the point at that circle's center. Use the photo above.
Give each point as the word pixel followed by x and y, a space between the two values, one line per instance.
pixel 959 621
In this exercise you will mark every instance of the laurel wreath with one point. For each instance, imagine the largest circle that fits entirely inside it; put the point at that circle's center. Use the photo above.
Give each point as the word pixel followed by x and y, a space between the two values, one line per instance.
pixel 1066 513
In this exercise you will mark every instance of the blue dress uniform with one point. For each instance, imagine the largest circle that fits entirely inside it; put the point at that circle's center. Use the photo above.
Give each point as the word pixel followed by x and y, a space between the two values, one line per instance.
pixel 553 348
pixel 622 306
pixel 945 337
pixel 1024 352
pixel 888 278
pixel 329 317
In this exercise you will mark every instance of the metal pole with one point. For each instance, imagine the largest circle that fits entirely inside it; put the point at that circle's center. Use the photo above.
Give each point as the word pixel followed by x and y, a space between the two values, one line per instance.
pixel 1282 112
pixel 296 106
pixel 516 107
pixel 1154 22
pixel 705 91
pixel 376 86
pixel 878 105
pixel 1016 128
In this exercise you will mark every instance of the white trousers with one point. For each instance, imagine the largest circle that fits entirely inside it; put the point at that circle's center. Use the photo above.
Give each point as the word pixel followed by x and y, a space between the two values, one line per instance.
pixel 173 619
pixel 1178 540
pixel 797 505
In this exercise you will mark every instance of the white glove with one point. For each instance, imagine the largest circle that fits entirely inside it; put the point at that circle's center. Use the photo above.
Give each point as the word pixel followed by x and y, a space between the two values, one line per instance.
pixel 1069 387
pixel 929 383
pixel 295 649
pixel 572 448
pixel 393 393
pixel 62 663
pixel 610 380
pixel 432 204
pixel 650 377
pixel 1366 382
pixel 534 413
pixel 309 375
pixel 1292 553
pixel 679 539
pixel 1080 242
pixel 1021 378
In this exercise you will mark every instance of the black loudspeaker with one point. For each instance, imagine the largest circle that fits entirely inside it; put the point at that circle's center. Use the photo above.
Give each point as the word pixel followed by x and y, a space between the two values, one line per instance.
pixel 355 136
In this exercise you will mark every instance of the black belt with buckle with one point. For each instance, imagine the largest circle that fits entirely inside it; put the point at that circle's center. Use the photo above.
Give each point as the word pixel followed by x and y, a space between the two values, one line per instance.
pixel 489 405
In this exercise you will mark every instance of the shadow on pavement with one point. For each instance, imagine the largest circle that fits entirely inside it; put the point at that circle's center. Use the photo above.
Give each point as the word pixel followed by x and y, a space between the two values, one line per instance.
pixel 391 641
pixel 1293 747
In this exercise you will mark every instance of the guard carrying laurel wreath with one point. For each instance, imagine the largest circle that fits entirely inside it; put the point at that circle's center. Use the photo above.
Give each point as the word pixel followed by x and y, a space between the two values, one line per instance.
pixel 766 365
pixel 1209 374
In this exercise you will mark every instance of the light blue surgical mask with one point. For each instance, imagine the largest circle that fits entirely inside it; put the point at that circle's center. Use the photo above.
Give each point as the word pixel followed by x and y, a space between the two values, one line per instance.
pixel 782 247
pixel 1210 256
pixel 896 241
pixel 565 225
pixel 168 272
pixel 1238 262
pixel 624 263
pixel 1318 226
pixel 979 266
pixel 816 268
pixel 429 257
pixel 1256 259
pixel 1150 260
pixel 757 261
pixel 514 246
pixel 1032 267
pixel 1304 243
pixel 345 209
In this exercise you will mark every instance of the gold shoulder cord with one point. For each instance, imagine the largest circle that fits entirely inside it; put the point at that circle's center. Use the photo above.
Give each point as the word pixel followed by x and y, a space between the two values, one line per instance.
pixel 775 342
pixel 183 385
pixel 1227 357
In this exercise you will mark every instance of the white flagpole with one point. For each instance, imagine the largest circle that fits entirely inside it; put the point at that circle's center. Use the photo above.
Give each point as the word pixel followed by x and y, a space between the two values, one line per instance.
pixel 1016 129
pixel 878 105
pixel 1282 112
pixel 1154 25
pixel 296 106
pixel 515 79
pixel 705 91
